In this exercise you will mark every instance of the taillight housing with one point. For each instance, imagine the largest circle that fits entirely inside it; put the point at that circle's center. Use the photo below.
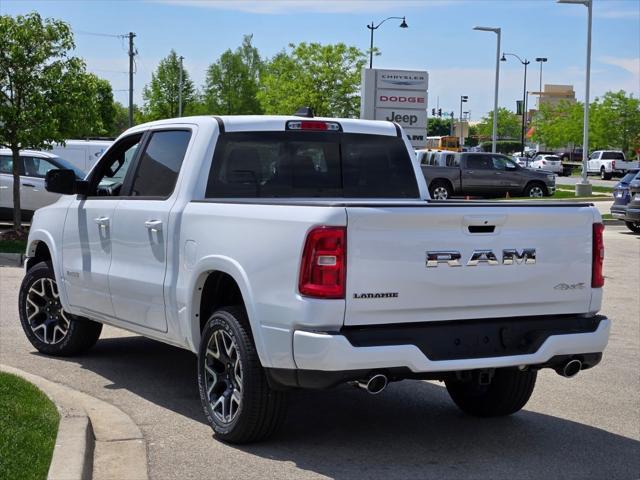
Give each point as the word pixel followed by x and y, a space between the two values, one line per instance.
pixel 613 164
pixel 324 263
pixel 597 278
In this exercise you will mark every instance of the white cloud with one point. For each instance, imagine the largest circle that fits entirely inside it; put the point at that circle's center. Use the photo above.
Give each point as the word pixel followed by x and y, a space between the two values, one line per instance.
pixel 316 6
pixel 631 65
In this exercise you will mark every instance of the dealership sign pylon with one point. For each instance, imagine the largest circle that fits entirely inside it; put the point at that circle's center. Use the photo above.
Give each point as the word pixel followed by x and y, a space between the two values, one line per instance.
pixel 399 96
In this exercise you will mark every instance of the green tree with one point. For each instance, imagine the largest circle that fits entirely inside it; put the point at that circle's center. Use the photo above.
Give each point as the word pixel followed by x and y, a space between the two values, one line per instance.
pixel 323 77
pixel 439 127
pixel 161 95
pixel 509 125
pixel 232 82
pixel 45 93
pixel 615 121
pixel 558 125
pixel 102 94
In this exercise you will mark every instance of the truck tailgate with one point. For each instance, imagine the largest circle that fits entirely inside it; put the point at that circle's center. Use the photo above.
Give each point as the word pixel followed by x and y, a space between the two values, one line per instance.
pixel 388 280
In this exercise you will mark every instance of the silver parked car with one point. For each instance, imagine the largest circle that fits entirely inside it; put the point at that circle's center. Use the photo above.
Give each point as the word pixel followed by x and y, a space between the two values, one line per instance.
pixel 33 167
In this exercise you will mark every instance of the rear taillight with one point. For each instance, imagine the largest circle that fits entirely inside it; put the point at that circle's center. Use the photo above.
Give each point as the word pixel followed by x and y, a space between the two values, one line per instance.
pixel 324 263
pixel 613 164
pixel 544 162
pixel 313 125
pixel 597 278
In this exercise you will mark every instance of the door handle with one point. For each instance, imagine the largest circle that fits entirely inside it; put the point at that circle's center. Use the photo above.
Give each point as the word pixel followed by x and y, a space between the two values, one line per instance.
pixel 103 222
pixel 153 225
pixel 498 173
pixel 28 185
pixel 470 172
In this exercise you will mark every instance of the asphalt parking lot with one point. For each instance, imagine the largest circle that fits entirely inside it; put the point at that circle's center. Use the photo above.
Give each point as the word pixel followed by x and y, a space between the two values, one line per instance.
pixel 585 427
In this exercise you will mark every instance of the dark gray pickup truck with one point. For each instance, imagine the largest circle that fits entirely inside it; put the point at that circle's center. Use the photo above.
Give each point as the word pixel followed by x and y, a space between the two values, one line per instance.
pixel 485 174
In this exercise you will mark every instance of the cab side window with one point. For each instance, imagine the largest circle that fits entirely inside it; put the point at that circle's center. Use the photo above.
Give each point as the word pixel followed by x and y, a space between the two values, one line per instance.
pixel 110 175
pixel 160 163
pixel 6 164
pixel 37 167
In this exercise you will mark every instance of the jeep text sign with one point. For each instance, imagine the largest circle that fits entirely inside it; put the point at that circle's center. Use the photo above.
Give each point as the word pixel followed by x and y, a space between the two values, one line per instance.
pixel 398 96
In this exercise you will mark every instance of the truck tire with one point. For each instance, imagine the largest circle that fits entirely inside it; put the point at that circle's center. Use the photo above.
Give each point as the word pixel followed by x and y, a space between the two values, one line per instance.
pixel 237 400
pixel 509 391
pixel 633 226
pixel 440 190
pixel 536 190
pixel 47 326
pixel 604 175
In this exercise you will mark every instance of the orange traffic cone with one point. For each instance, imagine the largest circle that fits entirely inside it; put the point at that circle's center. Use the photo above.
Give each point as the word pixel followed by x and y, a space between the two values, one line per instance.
pixel 508 196
pixel 467 197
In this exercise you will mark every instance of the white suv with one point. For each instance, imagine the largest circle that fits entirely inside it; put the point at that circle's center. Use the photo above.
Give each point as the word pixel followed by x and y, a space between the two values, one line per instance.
pixel 551 163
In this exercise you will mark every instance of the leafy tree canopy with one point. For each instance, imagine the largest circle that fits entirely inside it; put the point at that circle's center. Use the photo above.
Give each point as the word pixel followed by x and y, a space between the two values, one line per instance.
pixel 232 82
pixel 162 94
pixel 324 77
pixel 509 125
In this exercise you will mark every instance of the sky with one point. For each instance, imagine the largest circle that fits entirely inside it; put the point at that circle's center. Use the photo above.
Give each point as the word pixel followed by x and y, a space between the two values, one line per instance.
pixel 440 39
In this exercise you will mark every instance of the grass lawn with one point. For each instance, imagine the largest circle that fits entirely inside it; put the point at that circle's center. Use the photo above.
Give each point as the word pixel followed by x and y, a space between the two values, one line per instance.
pixel 28 428
pixel 13 246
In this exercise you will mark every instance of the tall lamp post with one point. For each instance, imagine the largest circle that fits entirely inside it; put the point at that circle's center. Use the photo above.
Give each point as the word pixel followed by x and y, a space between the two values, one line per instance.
pixel 524 62
pixel 180 81
pixel 463 99
pixel 494 134
pixel 540 60
pixel 373 27
pixel 584 188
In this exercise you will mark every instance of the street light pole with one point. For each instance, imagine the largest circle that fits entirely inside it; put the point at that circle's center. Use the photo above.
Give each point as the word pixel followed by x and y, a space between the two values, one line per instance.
pixel 524 62
pixel 180 89
pixel 463 99
pixel 584 188
pixel 373 27
pixel 494 134
pixel 541 60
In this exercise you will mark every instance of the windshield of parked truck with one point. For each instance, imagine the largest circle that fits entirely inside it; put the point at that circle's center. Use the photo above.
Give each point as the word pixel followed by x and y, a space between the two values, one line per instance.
pixel 630 176
pixel 296 164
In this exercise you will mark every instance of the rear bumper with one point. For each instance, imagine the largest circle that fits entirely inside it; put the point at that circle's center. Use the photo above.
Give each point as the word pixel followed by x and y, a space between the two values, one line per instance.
pixel 335 352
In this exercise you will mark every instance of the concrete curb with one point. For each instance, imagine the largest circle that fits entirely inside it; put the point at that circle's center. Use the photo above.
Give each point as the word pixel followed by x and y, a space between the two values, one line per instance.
pixel 96 440
pixel 11 259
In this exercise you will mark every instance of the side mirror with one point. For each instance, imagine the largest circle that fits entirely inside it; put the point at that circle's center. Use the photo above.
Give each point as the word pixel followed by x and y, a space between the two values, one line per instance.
pixel 64 181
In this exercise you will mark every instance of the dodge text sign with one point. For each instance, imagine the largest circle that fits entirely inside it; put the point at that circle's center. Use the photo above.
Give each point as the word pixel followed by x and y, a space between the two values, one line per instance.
pixel 398 96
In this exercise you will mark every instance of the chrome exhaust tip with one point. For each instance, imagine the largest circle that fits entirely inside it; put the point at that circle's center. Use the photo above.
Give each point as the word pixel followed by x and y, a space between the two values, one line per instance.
pixel 570 369
pixel 376 384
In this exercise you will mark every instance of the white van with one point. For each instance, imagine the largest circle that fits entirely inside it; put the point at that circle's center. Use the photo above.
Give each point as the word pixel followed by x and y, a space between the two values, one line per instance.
pixel 82 153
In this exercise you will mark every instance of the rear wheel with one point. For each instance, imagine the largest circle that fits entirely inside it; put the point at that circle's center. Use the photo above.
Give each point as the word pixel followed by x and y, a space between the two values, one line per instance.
pixel 604 175
pixel 236 398
pixel 48 327
pixel 508 392
pixel 633 226
pixel 440 190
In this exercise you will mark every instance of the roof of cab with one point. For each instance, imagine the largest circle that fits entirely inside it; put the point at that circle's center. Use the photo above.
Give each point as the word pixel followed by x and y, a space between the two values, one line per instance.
pixel 253 123
pixel 29 153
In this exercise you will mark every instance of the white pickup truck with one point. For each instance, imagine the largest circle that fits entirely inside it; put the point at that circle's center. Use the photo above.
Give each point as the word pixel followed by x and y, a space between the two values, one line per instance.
pixel 606 163
pixel 293 252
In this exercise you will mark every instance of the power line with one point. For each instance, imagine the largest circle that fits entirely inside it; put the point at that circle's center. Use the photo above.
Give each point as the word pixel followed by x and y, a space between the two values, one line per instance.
pixel 94 34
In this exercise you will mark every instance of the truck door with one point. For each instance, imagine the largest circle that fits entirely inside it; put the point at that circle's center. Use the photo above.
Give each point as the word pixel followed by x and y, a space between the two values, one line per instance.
pixel 88 229
pixel 140 231
pixel 478 174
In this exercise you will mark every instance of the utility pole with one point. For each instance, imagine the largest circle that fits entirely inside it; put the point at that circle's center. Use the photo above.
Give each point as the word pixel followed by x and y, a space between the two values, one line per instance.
pixel 180 89
pixel 132 53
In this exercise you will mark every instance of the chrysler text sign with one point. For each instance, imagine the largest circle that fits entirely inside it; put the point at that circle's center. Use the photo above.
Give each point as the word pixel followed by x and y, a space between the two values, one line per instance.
pixel 398 96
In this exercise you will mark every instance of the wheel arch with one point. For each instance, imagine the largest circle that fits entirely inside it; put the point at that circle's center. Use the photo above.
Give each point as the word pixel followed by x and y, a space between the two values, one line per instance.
pixel 533 182
pixel 217 282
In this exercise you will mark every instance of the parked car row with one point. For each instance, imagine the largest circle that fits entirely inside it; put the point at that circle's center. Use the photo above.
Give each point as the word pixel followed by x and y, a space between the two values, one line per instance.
pixel 76 155
pixel 33 168
pixel 626 200
pixel 487 174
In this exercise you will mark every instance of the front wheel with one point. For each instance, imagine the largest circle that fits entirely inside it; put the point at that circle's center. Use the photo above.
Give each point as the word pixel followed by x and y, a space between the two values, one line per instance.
pixel 633 226
pixel 47 326
pixel 535 190
pixel 237 400
pixel 508 392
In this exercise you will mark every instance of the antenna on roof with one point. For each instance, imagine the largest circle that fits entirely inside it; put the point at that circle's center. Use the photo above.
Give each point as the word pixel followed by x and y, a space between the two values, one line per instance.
pixel 304 112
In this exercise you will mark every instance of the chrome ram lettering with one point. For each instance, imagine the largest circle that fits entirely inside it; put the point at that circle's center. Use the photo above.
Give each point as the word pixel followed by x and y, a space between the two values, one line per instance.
pixel 510 256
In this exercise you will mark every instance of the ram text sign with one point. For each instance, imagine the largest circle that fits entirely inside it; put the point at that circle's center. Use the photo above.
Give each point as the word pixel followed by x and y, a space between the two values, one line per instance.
pixel 398 96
